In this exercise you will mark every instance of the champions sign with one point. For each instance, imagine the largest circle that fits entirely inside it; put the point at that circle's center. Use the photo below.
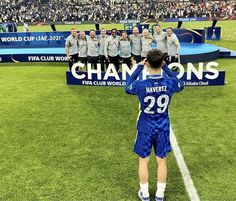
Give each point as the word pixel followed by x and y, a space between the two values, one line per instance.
pixel 206 75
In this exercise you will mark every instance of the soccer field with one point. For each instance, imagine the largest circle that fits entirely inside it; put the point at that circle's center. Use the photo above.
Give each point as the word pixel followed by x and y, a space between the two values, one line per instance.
pixel 62 142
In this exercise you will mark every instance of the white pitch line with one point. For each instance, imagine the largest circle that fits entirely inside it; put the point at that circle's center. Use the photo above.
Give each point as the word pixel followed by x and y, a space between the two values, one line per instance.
pixel 188 182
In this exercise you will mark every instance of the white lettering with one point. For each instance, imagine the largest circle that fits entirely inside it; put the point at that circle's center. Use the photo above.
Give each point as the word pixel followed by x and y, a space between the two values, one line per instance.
pixel 111 72
pixel 73 71
pixel 28 38
pixel 126 70
pixel 60 58
pixel 156 89
pixel 192 70
pixel 181 69
pixel 212 70
pixel 94 71
pixel 11 39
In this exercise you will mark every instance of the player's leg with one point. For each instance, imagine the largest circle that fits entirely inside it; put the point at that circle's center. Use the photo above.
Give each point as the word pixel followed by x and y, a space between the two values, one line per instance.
pixel 174 59
pixel 143 147
pixel 138 58
pixel 143 170
pixel 166 59
pixel 161 170
pixel 143 178
pixel 162 147
pixel 127 61
pixel 83 60
pixel 107 63
pixel 111 60
pixel 102 62
pixel 76 58
pixel 92 61
pixel 95 62
pixel 117 62
pixel 161 177
pixel 70 61
pixel 89 58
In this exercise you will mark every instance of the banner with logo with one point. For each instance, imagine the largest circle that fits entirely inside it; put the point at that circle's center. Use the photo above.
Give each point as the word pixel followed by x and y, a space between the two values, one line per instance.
pixel 186 19
pixel 33 39
pixel 33 58
pixel 213 33
pixel 190 35
pixel 191 77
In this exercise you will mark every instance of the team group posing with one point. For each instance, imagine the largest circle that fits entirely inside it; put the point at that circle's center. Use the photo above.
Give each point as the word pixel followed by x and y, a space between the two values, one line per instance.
pixel 105 49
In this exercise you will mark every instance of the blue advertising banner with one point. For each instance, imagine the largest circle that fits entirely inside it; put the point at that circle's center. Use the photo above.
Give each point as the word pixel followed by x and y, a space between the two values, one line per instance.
pixel 33 58
pixel 33 39
pixel 112 81
pixel 95 77
pixel 220 80
pixel 186 19
pixel 190 35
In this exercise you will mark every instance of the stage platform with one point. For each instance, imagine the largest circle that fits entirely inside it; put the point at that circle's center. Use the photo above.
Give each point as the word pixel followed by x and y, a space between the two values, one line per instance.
pixel 190 52
pixel 227 53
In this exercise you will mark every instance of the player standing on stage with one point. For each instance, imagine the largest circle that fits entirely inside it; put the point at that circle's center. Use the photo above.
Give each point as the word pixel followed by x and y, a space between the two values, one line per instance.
pixel 173 46
pixel 125 49
pixel 83 47
pixel 136 44
pixel 161 40
pixel 101 39
pixel 146 40
pixel 111 49
pixel 93 49
pixel 153 126
pixel 71 46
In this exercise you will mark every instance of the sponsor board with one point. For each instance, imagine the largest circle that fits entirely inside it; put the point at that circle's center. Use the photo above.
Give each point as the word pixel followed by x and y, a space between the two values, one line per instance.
pixel 33 58
pixel 33 39
pixel 192 76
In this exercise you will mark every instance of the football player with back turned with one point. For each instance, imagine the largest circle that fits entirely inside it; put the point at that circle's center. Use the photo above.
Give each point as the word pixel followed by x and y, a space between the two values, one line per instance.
pixel 153 126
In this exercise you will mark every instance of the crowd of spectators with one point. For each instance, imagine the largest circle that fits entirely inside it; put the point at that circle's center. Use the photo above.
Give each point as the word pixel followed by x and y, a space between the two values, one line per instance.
pixel 75 10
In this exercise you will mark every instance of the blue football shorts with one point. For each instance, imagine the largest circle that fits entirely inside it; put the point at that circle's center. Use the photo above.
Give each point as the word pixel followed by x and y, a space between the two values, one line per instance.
pixel 160 141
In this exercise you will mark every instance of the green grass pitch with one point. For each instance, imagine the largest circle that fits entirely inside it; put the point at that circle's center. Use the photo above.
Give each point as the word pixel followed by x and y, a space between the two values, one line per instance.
pixel 60 142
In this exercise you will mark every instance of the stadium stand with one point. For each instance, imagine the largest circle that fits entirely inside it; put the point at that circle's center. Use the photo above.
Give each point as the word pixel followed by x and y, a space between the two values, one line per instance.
pixel 74 10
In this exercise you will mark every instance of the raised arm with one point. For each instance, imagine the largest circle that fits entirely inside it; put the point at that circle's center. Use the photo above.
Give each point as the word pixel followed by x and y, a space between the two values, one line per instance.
pixel 132 84
pixel 178 85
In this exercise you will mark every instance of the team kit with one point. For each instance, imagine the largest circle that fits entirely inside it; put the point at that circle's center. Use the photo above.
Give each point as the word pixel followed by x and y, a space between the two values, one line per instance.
pixel 120 48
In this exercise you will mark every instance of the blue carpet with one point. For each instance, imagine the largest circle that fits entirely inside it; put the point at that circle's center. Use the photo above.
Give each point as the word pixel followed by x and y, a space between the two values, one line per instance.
pixel 186 49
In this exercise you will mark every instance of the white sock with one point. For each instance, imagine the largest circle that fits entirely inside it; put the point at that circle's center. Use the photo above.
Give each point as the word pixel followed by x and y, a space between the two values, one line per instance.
pixel 160 189
pixel 144 189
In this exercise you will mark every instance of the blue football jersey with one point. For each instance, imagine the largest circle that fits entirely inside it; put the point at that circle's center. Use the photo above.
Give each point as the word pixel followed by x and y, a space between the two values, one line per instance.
pixel 154 96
